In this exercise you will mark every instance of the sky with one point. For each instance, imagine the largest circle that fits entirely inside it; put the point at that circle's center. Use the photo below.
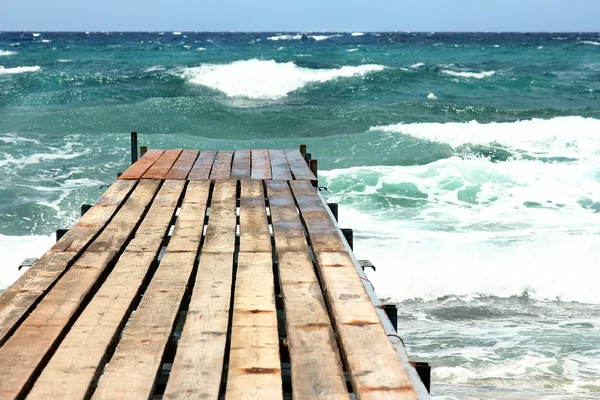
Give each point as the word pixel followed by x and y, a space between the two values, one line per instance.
pixel 303 15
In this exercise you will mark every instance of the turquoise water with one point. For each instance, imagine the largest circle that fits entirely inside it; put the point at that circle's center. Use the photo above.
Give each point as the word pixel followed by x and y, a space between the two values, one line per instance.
pixel 468 165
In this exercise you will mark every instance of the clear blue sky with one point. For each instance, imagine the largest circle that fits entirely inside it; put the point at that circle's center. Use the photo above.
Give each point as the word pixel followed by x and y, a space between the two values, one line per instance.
pixel 301 15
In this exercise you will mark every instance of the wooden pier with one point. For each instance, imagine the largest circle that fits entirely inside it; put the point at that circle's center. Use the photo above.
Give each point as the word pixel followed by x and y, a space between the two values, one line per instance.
pixel 202 274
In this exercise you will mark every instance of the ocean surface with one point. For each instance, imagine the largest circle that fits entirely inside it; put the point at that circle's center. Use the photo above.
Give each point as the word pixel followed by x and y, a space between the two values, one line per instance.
pixel 467 164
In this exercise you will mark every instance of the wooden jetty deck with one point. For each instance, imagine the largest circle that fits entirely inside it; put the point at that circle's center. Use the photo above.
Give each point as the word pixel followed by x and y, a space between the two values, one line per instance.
pixel 202 274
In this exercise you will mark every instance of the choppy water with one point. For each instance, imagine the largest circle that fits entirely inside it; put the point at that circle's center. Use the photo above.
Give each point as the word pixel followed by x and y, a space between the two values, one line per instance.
pixel 468 165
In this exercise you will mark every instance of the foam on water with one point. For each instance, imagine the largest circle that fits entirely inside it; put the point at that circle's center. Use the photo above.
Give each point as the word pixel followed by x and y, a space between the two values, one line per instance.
pixel 285 37
pixel 357 34
pixel 591 42
pixel 15 249
pixel 7 53
pixel 474 75
pixel 258 79
pixel 571 137
pixel 18 70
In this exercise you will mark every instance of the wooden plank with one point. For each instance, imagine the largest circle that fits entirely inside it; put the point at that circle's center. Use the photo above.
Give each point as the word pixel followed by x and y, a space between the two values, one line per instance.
pixel 261 165
pixel 287 226
pixel 315 361
pixel 198 365
pixel 183 165
pixel 135 364
pixel 254 228
pixel 371 361
pixel 240 168
pixel 222 165
pixel 254 365
pixel 222 222
pixel 297 164
pixel 68 375
pixel 279 165
pixel 162 166
pixel 17 300
pixel 203 165
pixel 137 169
pixel 34 340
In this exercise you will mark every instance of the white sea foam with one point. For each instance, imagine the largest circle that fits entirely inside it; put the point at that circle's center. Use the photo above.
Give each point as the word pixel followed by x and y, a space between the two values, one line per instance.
pixel 36 34
pixel 323 37
pixel 572 137
pixel 494 245
pixel 18 70
pixel 417 65
pixel 45 40
pixel 37 158
pixel 258 79
pixel 64 60
pixel 591 42
pixel 155 68
pixel 357 34
pixel 15 249
pixel 432 96
pixel 475 75
pixel 201 49
pixel 285 37
pixel 177 33
pixel 7 53
pixel 352 50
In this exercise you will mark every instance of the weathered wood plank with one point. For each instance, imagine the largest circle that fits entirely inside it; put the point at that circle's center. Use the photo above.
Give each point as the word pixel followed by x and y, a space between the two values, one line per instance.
pixel 298 166
pixel 183 165
pixel 240 168
pixel 17 300
pixel 33 341
pixel 261 165
pixel 137 169
pixel 222 165
pixel 280 168
pixel 162 166
pixel 222 222
pixel 316 367
pixel 133 368
pixel 287 226
pixel 203 165
pixel 254 365
pixel 372 363
pixel 69 375
pixel 254 228
pixel 198 364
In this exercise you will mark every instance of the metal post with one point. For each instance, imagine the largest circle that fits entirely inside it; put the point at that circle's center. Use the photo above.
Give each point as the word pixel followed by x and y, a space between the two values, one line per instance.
pixel 424 371
pixel 134 147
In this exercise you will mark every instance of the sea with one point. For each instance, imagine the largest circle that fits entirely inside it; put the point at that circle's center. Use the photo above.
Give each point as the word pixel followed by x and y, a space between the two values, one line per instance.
pixel 468 165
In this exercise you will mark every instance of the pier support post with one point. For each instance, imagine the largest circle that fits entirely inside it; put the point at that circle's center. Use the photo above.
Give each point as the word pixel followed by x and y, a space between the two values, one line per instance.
pixel 307 158
pixel 392 313
pixel 143 150
pixel 349 235
pixel 134 147
pixel 314 168
pixel 334 210
pixel 424 371
pixel 60 233
pixel 303 149
pixel 85 208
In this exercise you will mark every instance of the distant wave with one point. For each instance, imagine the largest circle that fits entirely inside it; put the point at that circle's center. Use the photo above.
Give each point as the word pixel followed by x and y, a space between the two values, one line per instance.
pixel 18 70
pixel 259 79
pixel 352 50
pixel 357 34
pixel 155 69
pixel 475 75
pixel 571 137
pixel 590 42
pixel 285 37
pixel 417 65
pixel 323 37
pixel 7 53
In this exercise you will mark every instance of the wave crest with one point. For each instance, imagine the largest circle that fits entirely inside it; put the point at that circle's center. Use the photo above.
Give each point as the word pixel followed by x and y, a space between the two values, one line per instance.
pixel 258 79
pixel 475 75
pixel 18 70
